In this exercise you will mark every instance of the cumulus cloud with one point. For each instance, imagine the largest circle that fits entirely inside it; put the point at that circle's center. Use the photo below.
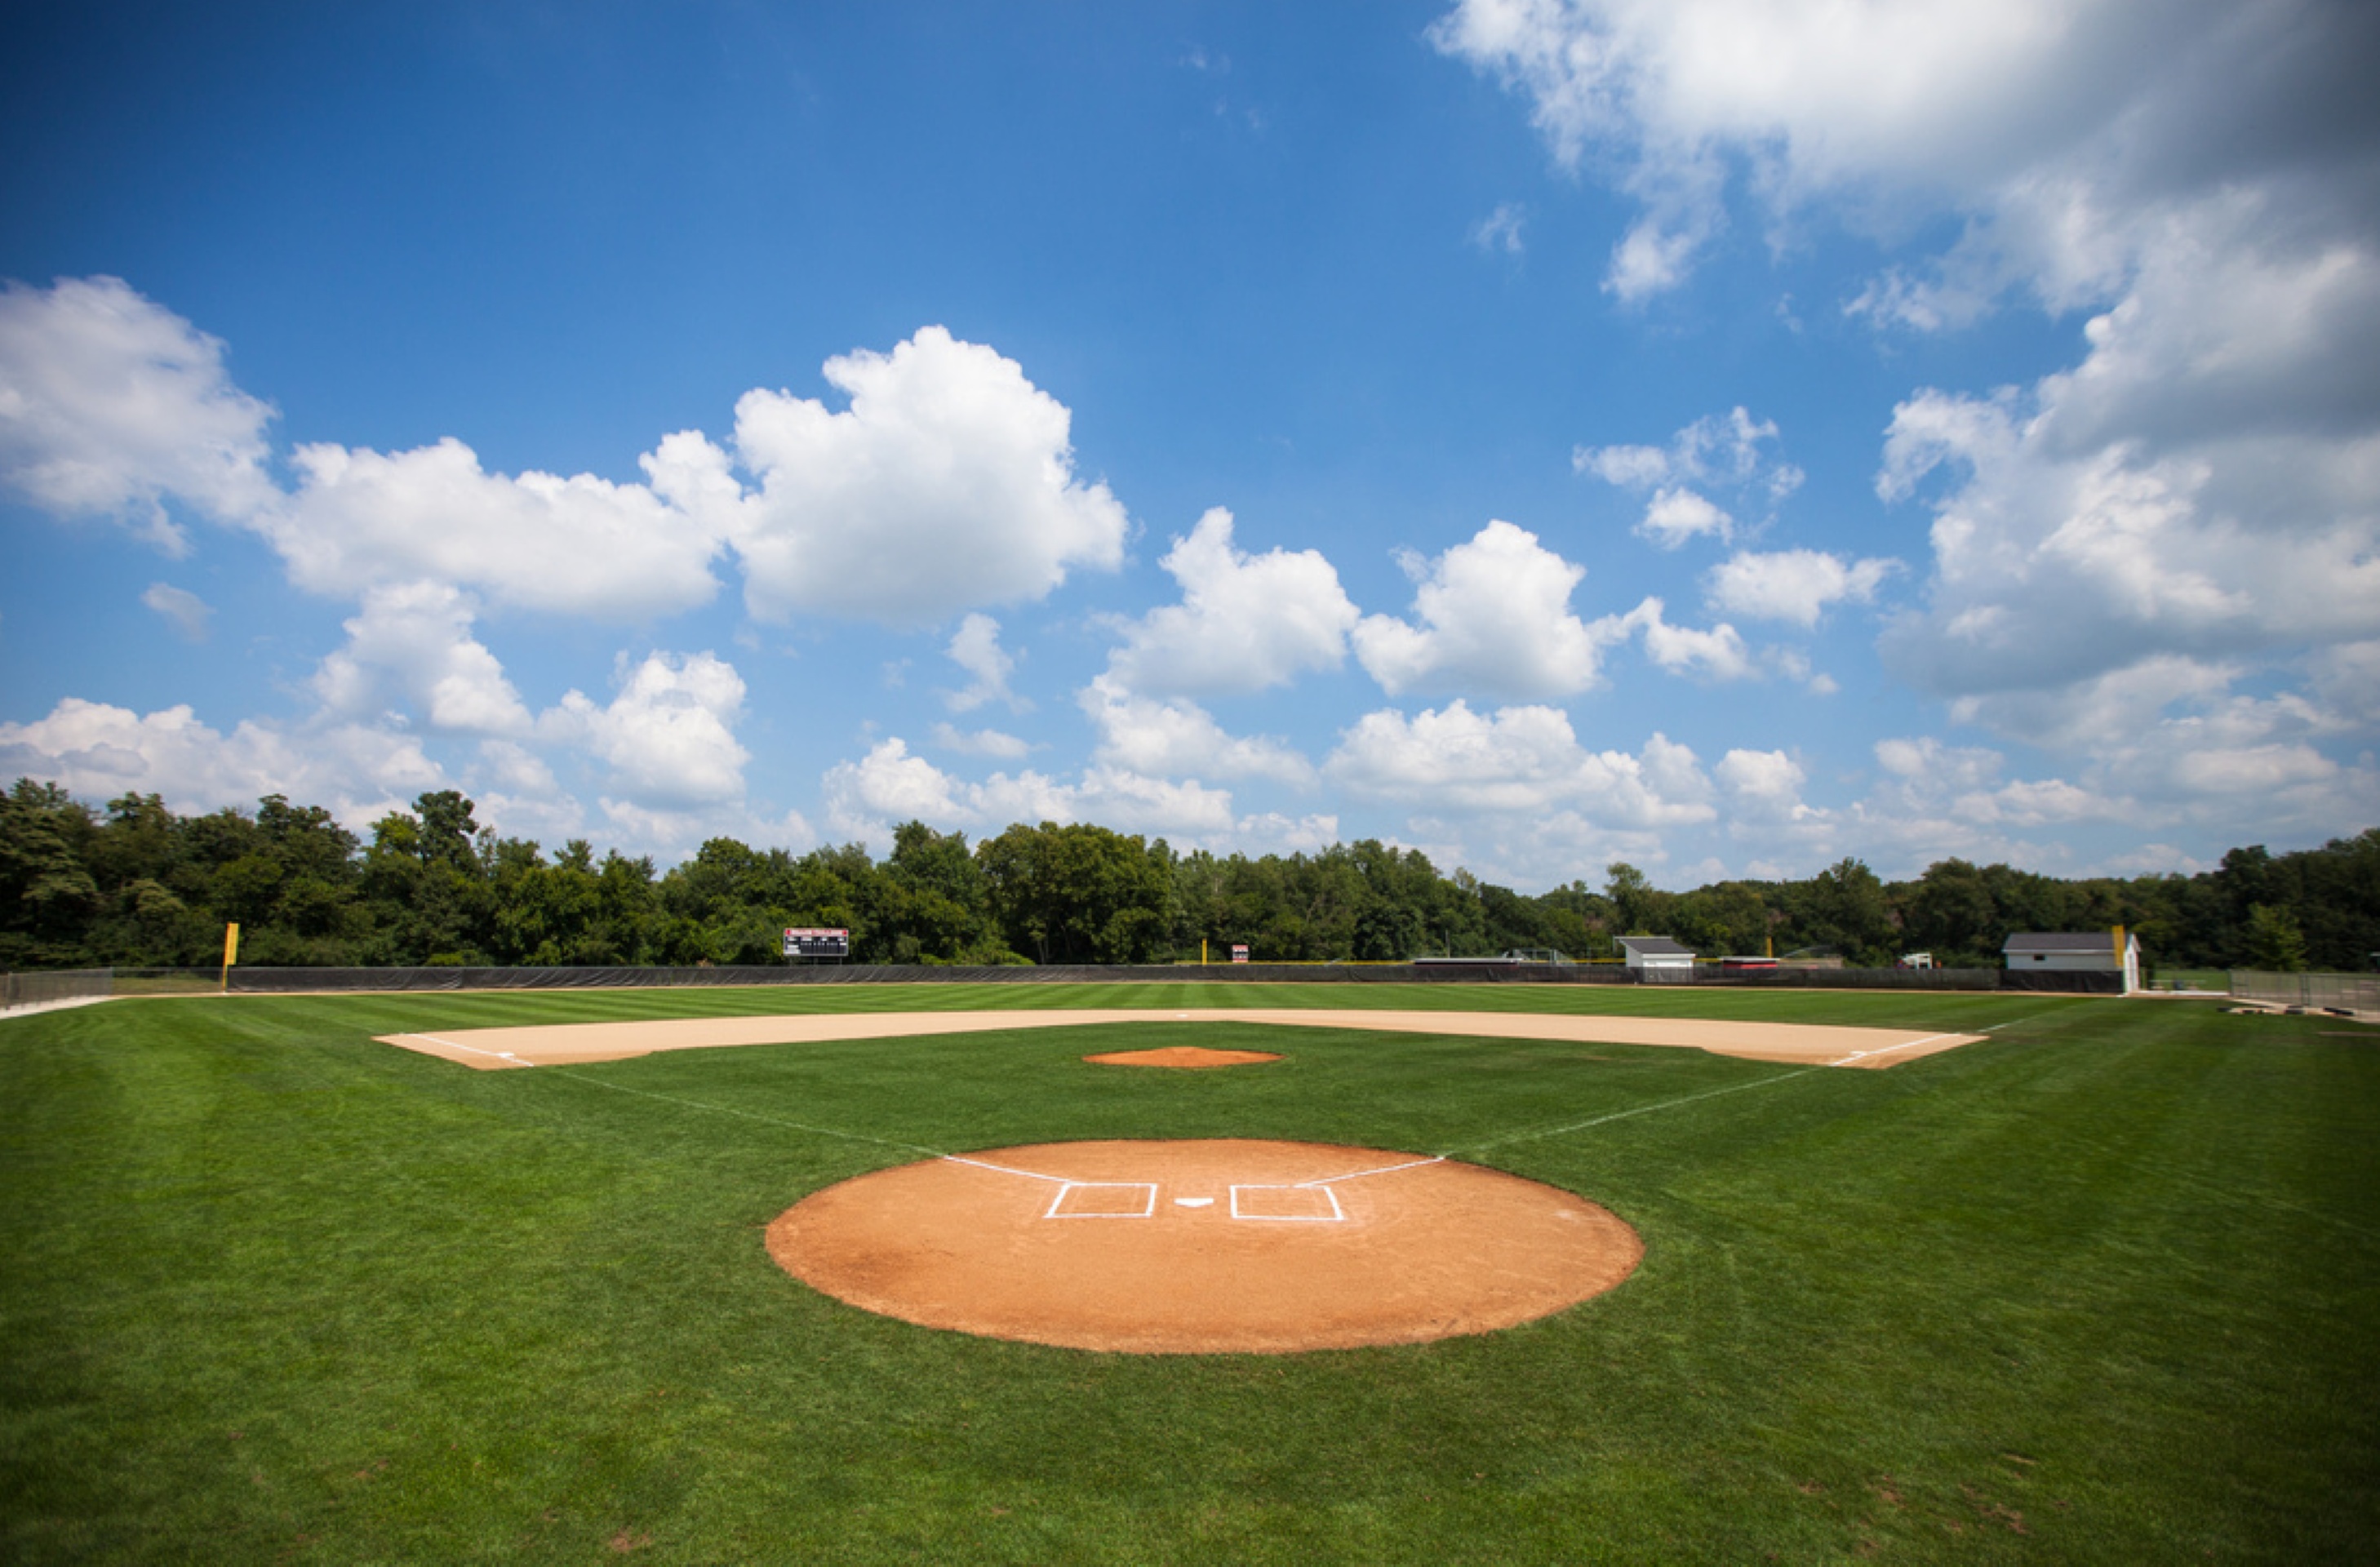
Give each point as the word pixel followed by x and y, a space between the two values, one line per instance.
pixel 1516 760
pixel 111 405
pixel 580 545
pixel 668 736
pixel 2054 566
pixel 1177 738
pixel 2199 178
pixel 1245 623
pixel 1733 450
pixel 1794 586
pixel 980 742
pixel 975 647
pixel 99 751
pixel 1675 515
pixel 1717 654
pixel 890 785
pixel 947 482
pixel 1492 615
pixel 184 610
pixel 2049 122
pixel 413 641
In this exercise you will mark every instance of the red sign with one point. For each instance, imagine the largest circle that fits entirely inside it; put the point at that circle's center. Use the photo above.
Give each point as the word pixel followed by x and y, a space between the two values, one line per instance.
pixel 1239 951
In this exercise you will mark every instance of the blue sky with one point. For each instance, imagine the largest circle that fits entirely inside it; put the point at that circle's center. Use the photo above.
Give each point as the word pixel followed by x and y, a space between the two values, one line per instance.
pixel 1724 436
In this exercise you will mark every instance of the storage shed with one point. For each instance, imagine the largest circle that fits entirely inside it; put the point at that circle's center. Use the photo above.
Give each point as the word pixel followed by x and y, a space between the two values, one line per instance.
pixel 1658 957
pixel 2098 952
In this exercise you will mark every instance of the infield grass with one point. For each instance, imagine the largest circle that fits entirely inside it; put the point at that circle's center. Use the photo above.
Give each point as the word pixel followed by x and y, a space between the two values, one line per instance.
pixel 2105 1288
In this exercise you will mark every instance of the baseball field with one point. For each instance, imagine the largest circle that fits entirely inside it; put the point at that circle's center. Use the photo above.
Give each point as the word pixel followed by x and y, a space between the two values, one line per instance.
pixel 1922 1276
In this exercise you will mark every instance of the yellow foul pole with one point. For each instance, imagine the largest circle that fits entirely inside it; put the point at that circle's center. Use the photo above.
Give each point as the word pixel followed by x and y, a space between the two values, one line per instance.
pixel 231 951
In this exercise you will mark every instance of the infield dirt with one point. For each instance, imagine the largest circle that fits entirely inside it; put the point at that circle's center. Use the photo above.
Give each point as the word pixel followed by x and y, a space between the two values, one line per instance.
pixel 1212 1246
pixel 574 1043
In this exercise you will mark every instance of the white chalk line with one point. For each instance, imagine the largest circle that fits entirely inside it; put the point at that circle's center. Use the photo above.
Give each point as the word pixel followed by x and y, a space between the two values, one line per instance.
pixel 449 1044
pixel 1383 1170
pixel 1640 1109
pixel 755 1115
pixel 2016 1022
pixel 1147 1208
pixel 1004 1170
pixel 1888 1050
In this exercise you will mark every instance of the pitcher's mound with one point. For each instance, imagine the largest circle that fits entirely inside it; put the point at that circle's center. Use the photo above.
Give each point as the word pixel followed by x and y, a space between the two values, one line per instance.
pixel 1190 1056
pixel 1188 1248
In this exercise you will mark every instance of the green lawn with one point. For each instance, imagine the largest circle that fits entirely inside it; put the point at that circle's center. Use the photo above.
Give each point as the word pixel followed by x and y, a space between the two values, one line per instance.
pixel 2106 1288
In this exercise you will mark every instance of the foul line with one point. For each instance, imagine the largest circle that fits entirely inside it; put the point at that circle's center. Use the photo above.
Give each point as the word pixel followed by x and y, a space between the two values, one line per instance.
pixel 1384 1170
pixel 1035 1174
pixel 752 1115
pixel 1888 1050
pixel 493 1055
pixel 2016 1022
pixel 1640 1109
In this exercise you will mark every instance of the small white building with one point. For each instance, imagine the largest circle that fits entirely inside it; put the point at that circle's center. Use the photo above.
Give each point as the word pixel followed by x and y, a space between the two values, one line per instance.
pixel 1658 956
pixel 2101 951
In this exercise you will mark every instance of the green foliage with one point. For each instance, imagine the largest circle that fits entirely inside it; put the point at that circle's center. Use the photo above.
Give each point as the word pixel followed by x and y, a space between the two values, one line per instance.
pixel 136 885
pixel 2274 942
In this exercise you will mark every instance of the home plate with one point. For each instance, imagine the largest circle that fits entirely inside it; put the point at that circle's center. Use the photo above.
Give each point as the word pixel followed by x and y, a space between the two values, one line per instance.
pixel 1193 1202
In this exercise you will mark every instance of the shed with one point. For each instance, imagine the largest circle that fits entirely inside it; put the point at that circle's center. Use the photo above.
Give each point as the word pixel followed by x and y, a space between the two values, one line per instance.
pixel 1657 954
pixel 2096 951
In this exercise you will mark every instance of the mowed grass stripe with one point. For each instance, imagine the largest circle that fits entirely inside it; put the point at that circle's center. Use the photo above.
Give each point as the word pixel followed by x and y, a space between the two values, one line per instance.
pixel 279 1291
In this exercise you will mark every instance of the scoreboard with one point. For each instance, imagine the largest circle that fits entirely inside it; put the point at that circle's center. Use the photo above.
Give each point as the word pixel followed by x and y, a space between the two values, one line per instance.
pixel 809 943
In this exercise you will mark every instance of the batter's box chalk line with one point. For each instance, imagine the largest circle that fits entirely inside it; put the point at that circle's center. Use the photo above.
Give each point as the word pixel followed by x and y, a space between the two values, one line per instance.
pixel 1104 1200
pixel 1294 1205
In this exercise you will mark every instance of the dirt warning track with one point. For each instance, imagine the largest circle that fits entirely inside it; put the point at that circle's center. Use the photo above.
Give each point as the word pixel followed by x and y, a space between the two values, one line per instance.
pixel 576 1043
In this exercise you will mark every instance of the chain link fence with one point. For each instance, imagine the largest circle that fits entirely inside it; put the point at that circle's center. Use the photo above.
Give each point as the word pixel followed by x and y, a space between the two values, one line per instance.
pixel 2348 992
pixel 60 985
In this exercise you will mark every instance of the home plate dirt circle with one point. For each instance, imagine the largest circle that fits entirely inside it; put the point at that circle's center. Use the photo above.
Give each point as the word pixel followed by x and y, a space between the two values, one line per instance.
pixel 1226 1245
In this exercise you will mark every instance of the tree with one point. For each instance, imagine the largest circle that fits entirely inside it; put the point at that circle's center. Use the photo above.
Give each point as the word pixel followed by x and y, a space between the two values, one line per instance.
pixel 1077 893
pixel 2275 943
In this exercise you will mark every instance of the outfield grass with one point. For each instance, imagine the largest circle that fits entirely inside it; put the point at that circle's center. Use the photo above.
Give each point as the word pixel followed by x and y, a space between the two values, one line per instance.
pixel 2106 1288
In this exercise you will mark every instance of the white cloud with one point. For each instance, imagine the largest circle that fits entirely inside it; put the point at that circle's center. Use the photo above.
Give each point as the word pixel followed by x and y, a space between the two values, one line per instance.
pixel 1794 585
pixel 1731 450
pixel 1675 515
pixel 1245 623
pixel 1517 760
pixel 948 482
pixel 1177 738
pixel 184 610
pixel 668 736
pixel 580 545
pixel 1634 467
pixel 889 785
pixel 975 647
pixel 2054 566
pixel 111 405
pixel 2051 122
pixel 1500 230
pixel 1763 784
pixel 980 742
pixel 416 637
pixel 1717 654
pixel 99 751
pixel 2196 492
pixel 1494 616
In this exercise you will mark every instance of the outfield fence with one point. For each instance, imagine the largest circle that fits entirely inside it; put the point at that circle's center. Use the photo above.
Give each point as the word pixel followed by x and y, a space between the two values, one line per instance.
pixel 265 980
pixel 2348 992
pixel 60 985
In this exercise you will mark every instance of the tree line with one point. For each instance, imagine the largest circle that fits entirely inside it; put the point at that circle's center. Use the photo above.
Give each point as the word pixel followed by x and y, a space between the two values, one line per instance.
pixel 133 884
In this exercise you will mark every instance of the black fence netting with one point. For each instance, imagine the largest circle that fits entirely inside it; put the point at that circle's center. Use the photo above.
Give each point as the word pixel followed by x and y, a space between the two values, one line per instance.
pixel 258 981
pixel 2071 981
